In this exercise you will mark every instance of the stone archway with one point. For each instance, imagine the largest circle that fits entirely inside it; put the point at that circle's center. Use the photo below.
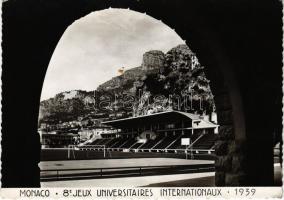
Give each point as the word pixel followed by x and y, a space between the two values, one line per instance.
pixel 217 33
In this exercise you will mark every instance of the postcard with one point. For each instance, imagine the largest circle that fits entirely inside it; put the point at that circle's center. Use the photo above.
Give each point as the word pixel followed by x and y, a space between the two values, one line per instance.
pixel 141 99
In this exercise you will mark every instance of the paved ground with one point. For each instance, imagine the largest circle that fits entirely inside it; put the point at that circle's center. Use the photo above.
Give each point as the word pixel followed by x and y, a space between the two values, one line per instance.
pixel 185 179
pixel 133 162
pixel 203 180
pixel 177 180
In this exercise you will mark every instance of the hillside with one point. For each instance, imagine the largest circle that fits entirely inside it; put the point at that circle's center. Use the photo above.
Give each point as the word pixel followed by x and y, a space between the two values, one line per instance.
pixel 66 106
pixel 176 73
pixel 181 77
pixel 123 82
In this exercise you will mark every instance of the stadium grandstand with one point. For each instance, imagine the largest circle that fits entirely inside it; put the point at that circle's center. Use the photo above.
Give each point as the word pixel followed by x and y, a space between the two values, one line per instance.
pixel 158 132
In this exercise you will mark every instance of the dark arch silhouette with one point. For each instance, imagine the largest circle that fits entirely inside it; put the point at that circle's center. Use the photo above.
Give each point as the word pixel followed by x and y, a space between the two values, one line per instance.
pixel 238 42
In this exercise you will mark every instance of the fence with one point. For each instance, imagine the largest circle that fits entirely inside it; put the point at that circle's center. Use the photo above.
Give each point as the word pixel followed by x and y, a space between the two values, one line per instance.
pixel 83 173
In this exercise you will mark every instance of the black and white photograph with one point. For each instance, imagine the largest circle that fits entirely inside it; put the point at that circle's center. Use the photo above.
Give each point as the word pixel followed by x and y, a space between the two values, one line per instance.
pixel 142 94
pixel 139 111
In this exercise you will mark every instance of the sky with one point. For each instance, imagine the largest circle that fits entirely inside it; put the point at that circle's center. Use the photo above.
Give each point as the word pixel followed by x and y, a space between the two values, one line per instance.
pixel 93 48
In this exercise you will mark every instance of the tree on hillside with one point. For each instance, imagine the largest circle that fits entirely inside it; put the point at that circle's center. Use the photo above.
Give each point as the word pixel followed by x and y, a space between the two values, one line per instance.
pixel 182 76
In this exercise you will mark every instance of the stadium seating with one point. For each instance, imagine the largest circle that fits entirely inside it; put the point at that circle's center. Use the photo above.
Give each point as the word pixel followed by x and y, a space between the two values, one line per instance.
pixel 110 142
pixel 170 143
pixel 207 141
pixel 128 143
pixel 95 142
pixel 177 143
pixel 150 143
pixel 165 142
pixel 136 145
pixel 113 142
pixel 102 141
pixel 119 142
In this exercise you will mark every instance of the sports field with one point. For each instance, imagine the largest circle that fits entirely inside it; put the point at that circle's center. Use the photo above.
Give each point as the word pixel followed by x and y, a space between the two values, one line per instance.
pixel 117 168
pixel 184 173
pixel 108 163
pixel 59 154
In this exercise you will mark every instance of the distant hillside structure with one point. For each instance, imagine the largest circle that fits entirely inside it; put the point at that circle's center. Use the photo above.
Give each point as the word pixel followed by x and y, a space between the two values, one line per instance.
pixel 121 71
pixel 153 60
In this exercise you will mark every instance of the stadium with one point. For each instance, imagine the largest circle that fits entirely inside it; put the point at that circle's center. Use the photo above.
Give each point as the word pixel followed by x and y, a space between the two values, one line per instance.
pixel 145 145
pixel 173 148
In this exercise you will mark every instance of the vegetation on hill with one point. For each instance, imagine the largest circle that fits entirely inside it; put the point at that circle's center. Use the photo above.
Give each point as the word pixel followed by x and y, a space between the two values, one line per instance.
pixel 182 77
pixel 179 75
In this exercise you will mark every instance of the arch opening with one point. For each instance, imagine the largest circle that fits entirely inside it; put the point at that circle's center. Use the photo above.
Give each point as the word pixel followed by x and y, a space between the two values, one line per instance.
pixel 238 163
pixel 118 64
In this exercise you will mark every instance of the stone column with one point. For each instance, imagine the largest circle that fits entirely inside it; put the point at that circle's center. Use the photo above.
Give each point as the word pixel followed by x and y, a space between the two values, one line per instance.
pixel 230 169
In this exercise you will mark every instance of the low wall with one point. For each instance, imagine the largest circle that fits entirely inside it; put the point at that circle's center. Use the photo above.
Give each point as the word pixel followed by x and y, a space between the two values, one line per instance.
pixel 62 154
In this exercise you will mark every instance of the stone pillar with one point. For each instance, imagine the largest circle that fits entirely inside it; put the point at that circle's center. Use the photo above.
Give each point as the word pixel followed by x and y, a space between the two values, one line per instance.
pixel 248 161
pixel 230 160
pixel 230 168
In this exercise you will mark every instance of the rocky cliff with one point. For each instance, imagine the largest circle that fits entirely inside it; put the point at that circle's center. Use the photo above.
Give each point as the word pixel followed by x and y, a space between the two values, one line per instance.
pixel 153 60
pixel 181 76
pixel 176 72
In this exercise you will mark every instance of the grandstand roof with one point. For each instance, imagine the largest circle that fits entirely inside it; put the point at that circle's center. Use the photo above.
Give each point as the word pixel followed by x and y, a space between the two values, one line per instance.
pixel 160 117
